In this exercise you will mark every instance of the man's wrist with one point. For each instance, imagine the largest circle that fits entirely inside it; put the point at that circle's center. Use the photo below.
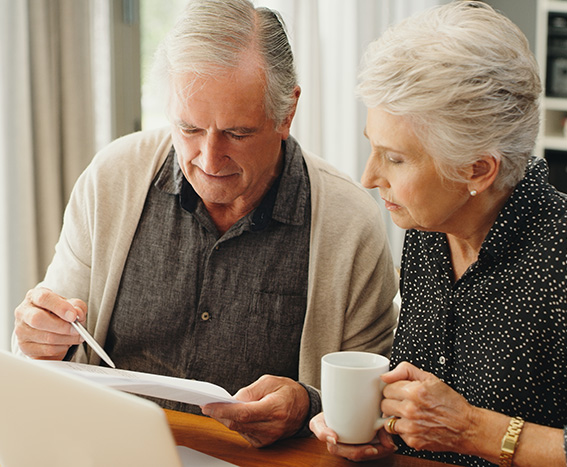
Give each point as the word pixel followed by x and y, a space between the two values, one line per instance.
pixel 70 353
pixel 314 409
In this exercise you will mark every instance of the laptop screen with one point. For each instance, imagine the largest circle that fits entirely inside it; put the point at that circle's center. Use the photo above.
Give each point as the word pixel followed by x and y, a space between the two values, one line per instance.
pixel 52 418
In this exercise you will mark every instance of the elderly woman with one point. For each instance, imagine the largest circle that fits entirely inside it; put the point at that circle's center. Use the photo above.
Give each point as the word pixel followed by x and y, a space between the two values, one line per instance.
pixel 479 361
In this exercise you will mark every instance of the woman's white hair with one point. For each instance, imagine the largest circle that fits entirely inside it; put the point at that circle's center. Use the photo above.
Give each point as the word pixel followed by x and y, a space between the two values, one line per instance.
pixel 212 35
pixel 465 78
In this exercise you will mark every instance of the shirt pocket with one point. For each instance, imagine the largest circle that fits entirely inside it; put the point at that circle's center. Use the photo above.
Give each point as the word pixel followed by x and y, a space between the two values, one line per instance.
pixel 274 332
pixel 279 309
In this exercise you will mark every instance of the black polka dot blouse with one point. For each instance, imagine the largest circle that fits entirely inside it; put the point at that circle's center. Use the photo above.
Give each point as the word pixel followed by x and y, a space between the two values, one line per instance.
pixel 498 336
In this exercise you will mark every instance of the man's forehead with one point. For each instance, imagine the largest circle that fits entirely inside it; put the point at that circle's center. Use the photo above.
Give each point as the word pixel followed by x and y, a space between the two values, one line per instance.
pixel 249 69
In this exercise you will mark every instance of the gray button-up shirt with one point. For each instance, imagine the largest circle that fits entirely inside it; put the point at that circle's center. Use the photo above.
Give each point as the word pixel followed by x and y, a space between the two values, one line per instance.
pixel 224 309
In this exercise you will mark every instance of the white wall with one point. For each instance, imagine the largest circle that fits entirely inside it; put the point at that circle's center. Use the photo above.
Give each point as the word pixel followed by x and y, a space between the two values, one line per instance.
pixel 328 39
pixel 17 254
pixel 521 12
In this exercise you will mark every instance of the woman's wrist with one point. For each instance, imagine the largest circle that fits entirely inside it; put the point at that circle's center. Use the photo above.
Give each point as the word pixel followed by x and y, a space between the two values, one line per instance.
pixel 537 445
pixel 484 438
pixel 540 445
pixel 510 441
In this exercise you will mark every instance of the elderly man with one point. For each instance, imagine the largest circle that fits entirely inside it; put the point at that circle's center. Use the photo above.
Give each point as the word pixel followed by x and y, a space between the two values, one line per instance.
pixel 217 249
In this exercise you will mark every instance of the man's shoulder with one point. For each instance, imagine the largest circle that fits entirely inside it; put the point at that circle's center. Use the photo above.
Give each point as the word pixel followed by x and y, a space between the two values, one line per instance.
pixel 139 145
pixel 131 156
pixel 128 164
pixel 341 207
pixel 326 178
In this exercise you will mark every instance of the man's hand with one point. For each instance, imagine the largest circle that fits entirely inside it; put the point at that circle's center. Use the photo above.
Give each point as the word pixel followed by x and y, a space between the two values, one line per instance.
pixel 381 446
pixel 273 408
pixel 43 324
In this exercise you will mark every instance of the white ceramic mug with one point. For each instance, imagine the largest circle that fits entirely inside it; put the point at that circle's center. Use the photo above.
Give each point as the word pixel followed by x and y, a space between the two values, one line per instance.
pixel 351 393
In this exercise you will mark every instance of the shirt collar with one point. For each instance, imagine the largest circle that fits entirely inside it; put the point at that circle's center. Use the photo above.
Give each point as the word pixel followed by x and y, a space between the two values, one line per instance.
pixel 284 202
pixel 527 197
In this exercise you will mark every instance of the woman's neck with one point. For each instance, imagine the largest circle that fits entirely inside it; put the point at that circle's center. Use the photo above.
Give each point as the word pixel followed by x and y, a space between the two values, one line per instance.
pixel 465 241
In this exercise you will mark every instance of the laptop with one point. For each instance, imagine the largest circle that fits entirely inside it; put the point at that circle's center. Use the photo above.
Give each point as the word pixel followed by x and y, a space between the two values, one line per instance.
pixel 51 418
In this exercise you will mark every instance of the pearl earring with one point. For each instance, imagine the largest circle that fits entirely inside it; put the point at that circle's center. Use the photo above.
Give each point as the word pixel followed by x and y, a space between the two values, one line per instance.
pixel 474 192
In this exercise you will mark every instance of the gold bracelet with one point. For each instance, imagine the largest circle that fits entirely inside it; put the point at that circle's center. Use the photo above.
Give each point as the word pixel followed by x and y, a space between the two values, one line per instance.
pixel 510 441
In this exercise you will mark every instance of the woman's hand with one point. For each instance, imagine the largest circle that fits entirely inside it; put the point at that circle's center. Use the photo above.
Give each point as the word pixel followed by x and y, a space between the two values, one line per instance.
pixel 381 446
pixel 432 416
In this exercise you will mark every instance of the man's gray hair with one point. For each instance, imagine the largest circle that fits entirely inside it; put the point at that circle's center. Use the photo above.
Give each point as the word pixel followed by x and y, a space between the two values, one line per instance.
pixel 465 78
pixel 212 35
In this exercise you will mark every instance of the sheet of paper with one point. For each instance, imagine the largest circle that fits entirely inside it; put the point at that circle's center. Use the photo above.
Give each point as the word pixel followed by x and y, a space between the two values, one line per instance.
pixel 163 387
pixel 189 457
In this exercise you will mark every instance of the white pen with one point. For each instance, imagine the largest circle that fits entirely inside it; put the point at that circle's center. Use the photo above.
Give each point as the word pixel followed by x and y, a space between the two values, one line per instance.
pixel 94 344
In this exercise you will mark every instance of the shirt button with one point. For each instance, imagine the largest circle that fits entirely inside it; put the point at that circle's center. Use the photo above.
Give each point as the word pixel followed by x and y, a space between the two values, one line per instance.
pixel 442 360
pixel 205 316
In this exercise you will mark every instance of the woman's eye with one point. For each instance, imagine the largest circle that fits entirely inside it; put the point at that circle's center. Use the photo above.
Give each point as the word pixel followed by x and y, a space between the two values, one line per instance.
pixel 393 159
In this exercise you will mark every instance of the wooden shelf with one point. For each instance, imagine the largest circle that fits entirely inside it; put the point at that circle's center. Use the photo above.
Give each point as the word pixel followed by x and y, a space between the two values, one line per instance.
pixel 557 143
pixel 553 109
pixel 558 6
pixel 555 103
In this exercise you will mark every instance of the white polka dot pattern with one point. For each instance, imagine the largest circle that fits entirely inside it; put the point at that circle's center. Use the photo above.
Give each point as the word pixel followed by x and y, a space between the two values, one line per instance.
pixel 498 336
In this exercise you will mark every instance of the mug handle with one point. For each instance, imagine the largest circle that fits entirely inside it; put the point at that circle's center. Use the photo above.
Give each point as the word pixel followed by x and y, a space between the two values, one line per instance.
pixel 380 423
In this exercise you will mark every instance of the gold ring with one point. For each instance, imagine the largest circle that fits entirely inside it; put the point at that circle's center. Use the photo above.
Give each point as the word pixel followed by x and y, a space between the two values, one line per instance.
pixel 392 425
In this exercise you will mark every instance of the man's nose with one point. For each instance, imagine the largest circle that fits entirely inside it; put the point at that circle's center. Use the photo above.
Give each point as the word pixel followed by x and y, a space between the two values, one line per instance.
pixel 213 154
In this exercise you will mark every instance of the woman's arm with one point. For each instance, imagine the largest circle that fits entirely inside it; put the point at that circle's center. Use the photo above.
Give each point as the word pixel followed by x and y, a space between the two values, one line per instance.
pixel 540 445
pixel 432 416
pixel 435 417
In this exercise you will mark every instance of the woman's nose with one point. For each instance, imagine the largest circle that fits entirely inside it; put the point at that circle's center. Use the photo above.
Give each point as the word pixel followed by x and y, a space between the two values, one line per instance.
pixel 373 174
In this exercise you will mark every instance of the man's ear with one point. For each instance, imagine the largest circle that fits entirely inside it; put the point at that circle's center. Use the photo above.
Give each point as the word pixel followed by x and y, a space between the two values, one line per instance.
pixel 483 173
pixel 285 126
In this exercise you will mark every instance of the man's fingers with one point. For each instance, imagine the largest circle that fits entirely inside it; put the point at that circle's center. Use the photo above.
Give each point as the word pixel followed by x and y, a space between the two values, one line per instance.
pixel 44 352
pixel 47 300
pixel 260 388
pixel 386 440
pixel 80 308
pixel 224 411
pixel 49 338
pixel 258 434
pixel 47 322
pixel 320 429
pixel 360 453
pixel 43 324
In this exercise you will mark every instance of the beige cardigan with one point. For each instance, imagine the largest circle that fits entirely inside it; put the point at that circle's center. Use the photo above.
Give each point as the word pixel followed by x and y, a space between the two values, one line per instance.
pixel 352 281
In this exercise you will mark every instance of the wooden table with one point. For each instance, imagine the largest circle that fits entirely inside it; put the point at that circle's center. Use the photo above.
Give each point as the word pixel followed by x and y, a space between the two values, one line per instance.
pixel 211 437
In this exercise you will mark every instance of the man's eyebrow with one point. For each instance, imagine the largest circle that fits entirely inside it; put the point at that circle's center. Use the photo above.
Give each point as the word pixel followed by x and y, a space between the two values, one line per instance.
pixel 180 123
pixel 244 130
